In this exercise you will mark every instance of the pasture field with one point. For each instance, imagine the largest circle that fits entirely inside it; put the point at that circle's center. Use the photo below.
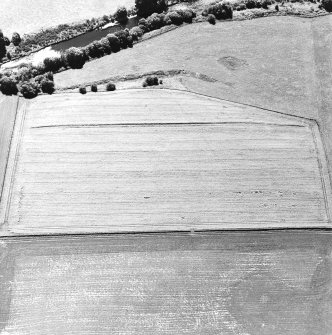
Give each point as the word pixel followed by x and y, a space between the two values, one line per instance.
pixel 204 283
pixel 251 60
pixel 279 63
pixel 8 107
pixel 157 160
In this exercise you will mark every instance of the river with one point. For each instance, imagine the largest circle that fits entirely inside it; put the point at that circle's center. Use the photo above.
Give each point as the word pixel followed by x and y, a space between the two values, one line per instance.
pixel 26 16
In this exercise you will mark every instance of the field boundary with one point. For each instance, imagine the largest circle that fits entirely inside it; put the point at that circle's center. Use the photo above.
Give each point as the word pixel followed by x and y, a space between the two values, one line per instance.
pixel 6 134
pixel 12 160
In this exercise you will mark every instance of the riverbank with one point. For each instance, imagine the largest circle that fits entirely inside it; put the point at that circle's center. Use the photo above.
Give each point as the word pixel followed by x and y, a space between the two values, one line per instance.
pixel 307 10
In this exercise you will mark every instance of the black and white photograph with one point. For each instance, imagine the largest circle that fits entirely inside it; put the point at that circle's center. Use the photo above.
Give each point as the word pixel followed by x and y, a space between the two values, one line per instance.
pixel 166 167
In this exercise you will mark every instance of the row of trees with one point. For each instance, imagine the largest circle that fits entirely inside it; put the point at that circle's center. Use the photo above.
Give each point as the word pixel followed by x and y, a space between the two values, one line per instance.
pixel 28 81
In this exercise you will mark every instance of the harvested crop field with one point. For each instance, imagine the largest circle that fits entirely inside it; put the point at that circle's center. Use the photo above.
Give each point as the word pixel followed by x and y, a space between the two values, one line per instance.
pixel 204 283
pixel 161 160
pixel 8 107
pixel 279 63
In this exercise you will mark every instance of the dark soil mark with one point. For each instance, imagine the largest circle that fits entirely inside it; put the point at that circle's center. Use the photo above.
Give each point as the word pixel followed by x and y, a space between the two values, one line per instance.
pixel 232 63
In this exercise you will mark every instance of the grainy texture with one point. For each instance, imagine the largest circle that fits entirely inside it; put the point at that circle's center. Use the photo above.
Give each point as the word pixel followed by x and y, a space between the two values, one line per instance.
pixel 156 160
pixel 244 283
pixel 8 107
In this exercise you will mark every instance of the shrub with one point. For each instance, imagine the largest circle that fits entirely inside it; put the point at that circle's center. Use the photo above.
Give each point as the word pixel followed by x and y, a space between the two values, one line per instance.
pixel 94 88
pixel 82 90
pixel 29 90
pixel 75 57
pixel 327 5
pixel 23 74
pixel 155 81
pixel 211 19
pixel 53 64
pixel 8 86
pixel 47 86
pixel 149 81
pixel 143 22
pixel 110 87
pixel 38 79
pixel 144 84
pixel 221 10
pixel 276 7
pixel 147 7
pixel 160 82
pixel 173 18
pixel 114 42
pixel 8 55
pixel 106 19
pixel 121 15
pixel 16 39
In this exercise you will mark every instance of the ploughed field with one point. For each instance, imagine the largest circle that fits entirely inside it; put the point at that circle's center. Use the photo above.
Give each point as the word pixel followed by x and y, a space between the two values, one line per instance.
pixel 280 63
pixel 204 283
pixel 160 160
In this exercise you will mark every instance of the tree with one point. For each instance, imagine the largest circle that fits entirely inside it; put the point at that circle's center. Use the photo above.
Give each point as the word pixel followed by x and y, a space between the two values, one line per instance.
pixel 121 15
pixel 16 39
pixel 47 86
pixel 327 5
pixel 147 7
pixel 53 64
pixel 114 42
pixel 8 86
pixel 29 90
pixel 122 36
pixel 110 87
pixel 2 45
pixel 75 57
pixel 82 90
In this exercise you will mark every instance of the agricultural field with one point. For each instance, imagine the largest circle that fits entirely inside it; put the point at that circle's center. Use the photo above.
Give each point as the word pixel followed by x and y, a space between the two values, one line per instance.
pixel 279 63
pixel 207 284
pixel 151 160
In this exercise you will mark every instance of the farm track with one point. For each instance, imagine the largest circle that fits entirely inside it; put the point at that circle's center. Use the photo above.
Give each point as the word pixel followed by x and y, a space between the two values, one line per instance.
pixel 8 107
